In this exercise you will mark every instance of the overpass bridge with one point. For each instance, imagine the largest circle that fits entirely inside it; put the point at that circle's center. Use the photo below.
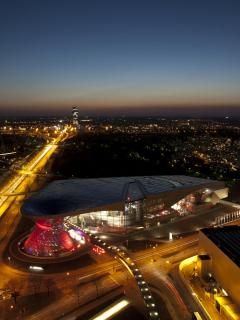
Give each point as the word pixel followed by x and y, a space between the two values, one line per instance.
pixel 15 194
pixel 32 173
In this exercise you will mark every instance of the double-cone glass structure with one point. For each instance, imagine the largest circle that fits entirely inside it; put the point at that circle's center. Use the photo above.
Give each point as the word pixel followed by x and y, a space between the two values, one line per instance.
pixel 49 239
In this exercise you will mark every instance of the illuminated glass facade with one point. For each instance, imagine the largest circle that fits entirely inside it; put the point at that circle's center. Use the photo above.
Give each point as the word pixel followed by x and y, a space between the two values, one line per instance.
pixel 194 202
pixel 131 216
pixel 98 219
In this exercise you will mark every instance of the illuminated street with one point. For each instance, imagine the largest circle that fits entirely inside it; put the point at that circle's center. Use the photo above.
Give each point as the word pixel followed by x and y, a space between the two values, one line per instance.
pixel 19 183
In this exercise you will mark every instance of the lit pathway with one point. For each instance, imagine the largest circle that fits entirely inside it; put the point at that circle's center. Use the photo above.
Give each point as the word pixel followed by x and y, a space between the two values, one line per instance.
pixel 128 263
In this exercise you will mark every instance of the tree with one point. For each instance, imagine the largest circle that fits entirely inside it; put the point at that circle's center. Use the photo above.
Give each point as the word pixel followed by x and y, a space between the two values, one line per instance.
pixel 95 281
pixel 78 291
pixel 13 291
pixel 36 284
pixel 15 295
pixel 49 283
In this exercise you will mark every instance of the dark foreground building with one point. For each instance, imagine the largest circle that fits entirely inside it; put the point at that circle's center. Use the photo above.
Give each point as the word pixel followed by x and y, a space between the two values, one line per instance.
pixel 119 204
pixel 219 257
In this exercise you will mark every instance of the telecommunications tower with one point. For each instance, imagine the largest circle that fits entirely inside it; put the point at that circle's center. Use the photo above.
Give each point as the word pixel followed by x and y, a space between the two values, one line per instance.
pixel 75 119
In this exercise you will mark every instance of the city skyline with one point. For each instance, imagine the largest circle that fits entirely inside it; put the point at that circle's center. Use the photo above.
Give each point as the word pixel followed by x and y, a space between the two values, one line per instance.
pixel 123 58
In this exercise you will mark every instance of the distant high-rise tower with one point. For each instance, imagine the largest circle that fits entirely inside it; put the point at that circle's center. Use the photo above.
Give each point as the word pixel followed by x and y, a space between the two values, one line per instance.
pixel 75 116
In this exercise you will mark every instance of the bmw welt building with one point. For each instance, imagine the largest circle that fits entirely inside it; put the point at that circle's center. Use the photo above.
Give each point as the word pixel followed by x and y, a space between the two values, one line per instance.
pixel 118 204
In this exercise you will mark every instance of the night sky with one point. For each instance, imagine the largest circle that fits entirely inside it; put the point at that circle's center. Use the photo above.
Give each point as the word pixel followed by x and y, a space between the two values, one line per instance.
pixel 120 57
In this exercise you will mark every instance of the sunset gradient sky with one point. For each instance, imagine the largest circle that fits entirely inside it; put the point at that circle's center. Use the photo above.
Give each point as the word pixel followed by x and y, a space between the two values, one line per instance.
pixel 110 57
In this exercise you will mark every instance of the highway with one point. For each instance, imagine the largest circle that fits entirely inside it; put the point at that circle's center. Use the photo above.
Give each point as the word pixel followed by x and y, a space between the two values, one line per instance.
pixel 20 183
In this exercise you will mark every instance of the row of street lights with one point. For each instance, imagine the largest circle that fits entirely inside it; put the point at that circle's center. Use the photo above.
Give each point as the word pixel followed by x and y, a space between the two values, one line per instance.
pixel 135 272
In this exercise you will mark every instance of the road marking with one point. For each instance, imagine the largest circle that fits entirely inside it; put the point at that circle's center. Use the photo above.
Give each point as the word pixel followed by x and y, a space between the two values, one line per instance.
pixel 114 309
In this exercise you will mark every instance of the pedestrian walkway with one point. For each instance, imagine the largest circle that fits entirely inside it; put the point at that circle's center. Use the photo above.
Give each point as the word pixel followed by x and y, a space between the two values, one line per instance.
pixel 195 286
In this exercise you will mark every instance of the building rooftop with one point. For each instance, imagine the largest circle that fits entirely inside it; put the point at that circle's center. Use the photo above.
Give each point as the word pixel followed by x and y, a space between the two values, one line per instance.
pixel 227 239
pixel 78 195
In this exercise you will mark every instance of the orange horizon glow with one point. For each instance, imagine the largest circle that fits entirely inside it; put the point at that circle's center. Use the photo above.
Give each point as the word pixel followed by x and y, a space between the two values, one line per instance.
pixel 120 98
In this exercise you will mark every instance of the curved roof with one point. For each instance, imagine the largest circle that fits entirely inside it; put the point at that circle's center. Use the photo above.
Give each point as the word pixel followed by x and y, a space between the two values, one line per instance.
pixel 66 197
